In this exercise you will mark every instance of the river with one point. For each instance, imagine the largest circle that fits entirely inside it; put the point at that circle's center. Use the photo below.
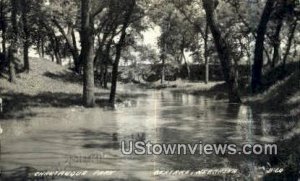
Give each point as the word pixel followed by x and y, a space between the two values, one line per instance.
pixel 59 139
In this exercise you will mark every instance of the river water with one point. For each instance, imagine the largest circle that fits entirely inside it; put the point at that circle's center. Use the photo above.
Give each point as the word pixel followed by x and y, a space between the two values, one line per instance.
pixel 60 139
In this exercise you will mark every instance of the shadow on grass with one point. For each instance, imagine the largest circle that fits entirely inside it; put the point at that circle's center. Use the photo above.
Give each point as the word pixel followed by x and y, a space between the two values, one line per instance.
pixel 279 73
pixel 275 99
pixel 65 77
pixel 15 105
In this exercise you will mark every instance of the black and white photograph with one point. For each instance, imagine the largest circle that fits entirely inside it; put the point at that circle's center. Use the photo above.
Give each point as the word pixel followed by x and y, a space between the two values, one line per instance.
pixel 149 90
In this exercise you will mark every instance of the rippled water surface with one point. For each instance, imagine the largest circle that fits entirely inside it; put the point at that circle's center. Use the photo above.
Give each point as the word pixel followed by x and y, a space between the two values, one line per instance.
pixel 60 139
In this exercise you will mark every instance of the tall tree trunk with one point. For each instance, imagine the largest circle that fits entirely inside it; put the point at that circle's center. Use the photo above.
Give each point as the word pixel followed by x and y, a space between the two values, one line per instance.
pixel 11 64
pixel 100 58
pixel 187 66
pixel 206 54
pixel 119 47
pixel 87 52
pixel 163 66
pixel 26 44
pixel 52 47
pixel 42 47
pixel 163 72
pixel 57 52
pixel 115 76
pixel 52 57
pixel 4 41
pixel 182 55
pixel 26 57
pixel 259 46
pixel 105 76
pixel 38 46
pixel 3 26
pixel 74 42
pixel 224 53
pixel 76 57
pixel 101 75
pixel 106 59
pixel 13 46
pixel 293 27
pixel 4 38
pixel 276 38
pixel 276 43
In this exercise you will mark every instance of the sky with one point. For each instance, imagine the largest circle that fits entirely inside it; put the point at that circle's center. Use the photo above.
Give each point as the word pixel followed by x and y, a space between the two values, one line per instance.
pixel 151 36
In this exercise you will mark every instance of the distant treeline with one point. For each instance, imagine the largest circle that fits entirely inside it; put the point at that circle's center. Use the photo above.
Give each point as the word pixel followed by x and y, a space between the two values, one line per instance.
pixel 152 73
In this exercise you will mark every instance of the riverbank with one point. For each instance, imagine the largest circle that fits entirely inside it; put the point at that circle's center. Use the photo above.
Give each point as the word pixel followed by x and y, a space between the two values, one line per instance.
pixel 279 95
pixel 283 96
pixel 48 85
pixel 47 124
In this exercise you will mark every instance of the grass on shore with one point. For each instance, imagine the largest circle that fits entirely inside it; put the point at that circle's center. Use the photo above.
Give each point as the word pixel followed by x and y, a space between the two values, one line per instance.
pixel 48 85
pixel 280 94
pixel 283 96
pixel 59 86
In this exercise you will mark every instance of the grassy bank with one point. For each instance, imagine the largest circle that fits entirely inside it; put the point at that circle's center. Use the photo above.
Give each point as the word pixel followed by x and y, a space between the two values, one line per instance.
pixel 280 93
pixel 47 85
pixel 283 96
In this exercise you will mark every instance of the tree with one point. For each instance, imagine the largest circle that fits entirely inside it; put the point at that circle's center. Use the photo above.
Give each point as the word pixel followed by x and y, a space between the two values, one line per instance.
pixel 3 23
pixel 279 17
pixel 292 27
pixel 126 22
pixel 14 40
pixel 87 51
pixel 64 16
pixel 195 17
pixel 26 34
pixel 206 54
pixel 259 45
pixel 224 52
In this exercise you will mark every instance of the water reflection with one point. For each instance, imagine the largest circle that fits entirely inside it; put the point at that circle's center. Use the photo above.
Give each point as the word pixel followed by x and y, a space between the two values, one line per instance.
pixel 53 135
